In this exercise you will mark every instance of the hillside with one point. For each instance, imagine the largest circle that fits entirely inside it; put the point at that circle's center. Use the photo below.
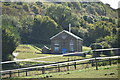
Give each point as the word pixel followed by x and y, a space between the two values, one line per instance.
pixel 35 23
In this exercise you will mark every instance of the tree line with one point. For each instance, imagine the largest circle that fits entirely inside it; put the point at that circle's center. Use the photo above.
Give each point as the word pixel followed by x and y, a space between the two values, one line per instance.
pixel 31 23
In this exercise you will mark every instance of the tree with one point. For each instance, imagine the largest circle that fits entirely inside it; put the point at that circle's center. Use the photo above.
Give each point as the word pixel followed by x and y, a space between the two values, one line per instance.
pixel 96 46
pixel 10 36
pixel 43 28
pixel 10 41
pixel 118 37
pixel 105 46
pixel 63 15
pixel 26 28
pixel 35 9
pixel 99 29
pixel 26 8
pixel 112 40
pixel 80 31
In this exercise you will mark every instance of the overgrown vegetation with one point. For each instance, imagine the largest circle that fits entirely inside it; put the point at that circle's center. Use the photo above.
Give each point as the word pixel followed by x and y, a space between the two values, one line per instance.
pixel 37 22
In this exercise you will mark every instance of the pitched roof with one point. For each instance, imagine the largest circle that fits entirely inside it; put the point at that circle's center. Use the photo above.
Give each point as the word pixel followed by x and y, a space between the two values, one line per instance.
pixel 67 33
pixel 45 47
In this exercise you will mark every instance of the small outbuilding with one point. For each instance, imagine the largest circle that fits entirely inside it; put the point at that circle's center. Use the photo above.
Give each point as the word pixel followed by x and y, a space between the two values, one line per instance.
pixel 66 42
pixel 45 49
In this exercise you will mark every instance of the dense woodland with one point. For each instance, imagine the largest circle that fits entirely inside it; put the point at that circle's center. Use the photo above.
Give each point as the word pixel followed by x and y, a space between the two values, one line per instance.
pixel 35 23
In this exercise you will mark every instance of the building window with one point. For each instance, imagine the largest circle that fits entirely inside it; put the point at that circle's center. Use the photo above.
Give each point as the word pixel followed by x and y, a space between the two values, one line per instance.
pixel 56 46
pixel 56 49
pixel 71 45
pixel 56 43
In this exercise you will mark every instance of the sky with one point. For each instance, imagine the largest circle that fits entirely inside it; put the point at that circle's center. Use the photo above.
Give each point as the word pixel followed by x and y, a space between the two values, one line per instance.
pixel 113 3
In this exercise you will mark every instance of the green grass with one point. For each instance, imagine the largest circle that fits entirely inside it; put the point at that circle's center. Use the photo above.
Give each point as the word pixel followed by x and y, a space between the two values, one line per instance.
pixel 29 51
pixel 30 55
pixel 29 64
pixel 26 48
pixel 63 58
pixel 84 48
pixel 84 73
pixel 34 51
pixel 41 45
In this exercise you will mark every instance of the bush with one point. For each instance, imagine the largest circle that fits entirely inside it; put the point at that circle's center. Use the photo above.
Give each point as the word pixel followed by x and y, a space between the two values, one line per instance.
pixel 105 45
pixel 96 46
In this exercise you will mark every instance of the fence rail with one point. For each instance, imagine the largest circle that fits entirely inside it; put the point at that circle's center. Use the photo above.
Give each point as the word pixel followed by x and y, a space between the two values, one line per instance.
pixel 96 50
pixel 58 67
pixel 62 66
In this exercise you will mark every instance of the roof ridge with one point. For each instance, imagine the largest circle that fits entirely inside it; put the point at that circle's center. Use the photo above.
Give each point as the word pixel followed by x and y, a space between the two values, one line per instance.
pixel 67 33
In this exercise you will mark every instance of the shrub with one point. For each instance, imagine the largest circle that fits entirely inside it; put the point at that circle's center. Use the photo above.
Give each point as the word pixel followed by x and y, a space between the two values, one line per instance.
pixel 96 46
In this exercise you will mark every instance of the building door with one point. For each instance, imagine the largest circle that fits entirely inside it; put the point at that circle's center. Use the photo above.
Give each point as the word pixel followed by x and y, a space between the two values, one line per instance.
pixel 64 50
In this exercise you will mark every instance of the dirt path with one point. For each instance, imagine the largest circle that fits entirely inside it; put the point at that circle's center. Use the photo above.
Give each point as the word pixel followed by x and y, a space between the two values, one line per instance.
pixel 15 59
pixel 15 55
pixel 34 60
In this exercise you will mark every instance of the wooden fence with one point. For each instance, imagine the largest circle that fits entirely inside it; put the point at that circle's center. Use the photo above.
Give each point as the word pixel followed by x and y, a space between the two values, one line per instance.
pixel 60 67
pixel 77 53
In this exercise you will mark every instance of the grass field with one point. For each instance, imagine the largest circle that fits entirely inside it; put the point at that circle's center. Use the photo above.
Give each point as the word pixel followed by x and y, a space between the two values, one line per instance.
pixel 103 72
pixel 33 51
pixel 29 51
pixel 63 58
pixel 84 48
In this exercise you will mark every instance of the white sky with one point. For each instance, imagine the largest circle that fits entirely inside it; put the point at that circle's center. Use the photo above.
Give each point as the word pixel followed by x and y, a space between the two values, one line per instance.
pixel 113 3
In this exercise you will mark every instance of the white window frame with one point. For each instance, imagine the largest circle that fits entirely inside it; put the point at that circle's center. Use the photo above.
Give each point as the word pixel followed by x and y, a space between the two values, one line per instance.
pixel 56 48
pixel 71 45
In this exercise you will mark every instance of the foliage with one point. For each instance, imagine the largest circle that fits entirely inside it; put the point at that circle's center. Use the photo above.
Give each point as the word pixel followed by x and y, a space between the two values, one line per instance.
pixel 96 46
pixel 10 40
pixel 10 36
pixel 43 28
pixel 105 46
pixel 118 38
pixel 37 22
pixel 62 15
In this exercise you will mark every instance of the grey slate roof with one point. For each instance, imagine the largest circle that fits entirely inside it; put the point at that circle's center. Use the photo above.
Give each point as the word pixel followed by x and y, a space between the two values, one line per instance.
pixel 67 33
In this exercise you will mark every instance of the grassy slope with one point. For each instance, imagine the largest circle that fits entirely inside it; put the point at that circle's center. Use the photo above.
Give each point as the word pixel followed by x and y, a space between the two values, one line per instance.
pixel 85 73
pixel 84 48
pixel 30 51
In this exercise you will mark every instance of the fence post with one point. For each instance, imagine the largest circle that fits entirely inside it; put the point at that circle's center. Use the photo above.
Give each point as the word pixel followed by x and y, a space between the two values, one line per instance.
pixel 43 70
pixel 75 65
pixel 110 62
pixel 26 73
pixel 96 63
pixel 92 63
pixel 10 73
pixel 68 65
pixel 18 74
pixel 103 63
pixel 118 61
pixel 58 68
